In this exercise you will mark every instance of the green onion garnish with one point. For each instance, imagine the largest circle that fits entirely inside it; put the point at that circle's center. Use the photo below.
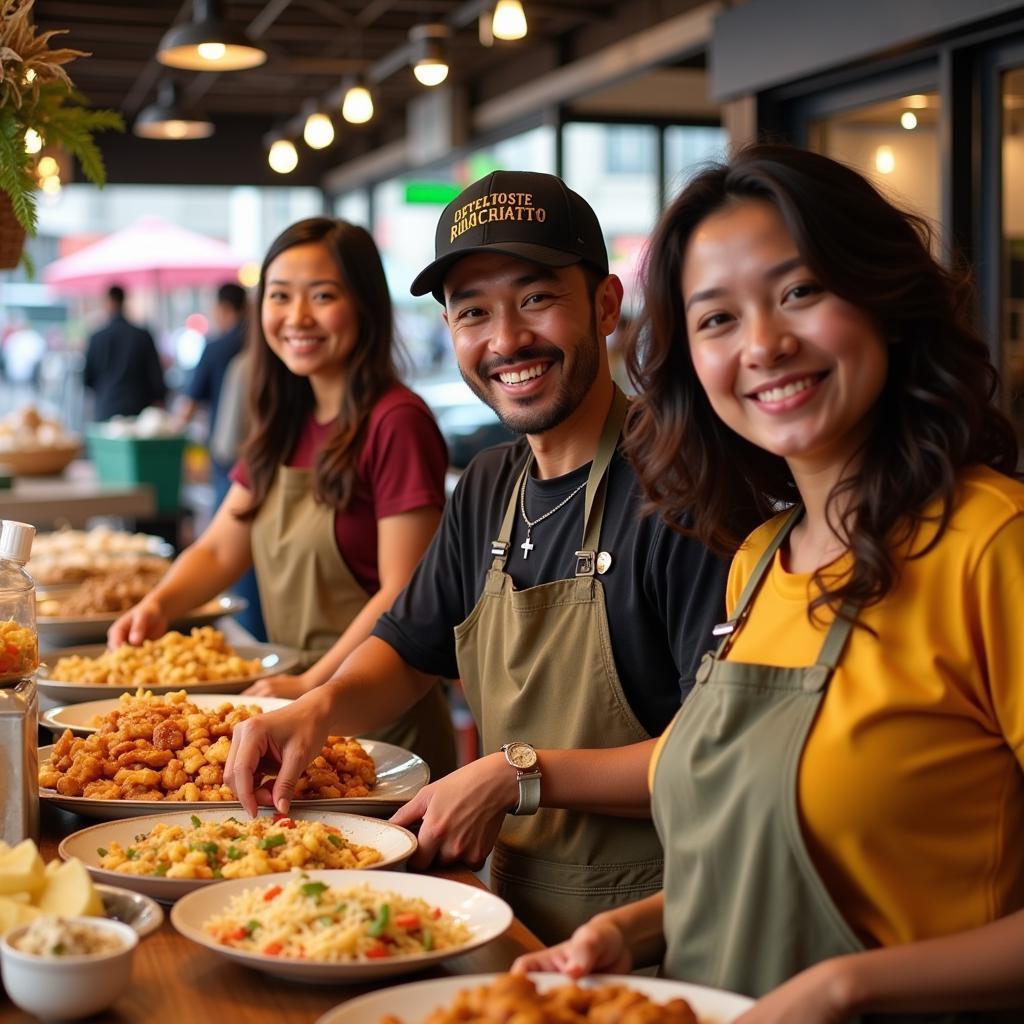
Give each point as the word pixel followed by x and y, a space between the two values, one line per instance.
pixel 380 922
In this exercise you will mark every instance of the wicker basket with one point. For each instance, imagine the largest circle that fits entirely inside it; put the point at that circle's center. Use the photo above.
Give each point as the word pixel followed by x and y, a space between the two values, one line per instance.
pixel 12 235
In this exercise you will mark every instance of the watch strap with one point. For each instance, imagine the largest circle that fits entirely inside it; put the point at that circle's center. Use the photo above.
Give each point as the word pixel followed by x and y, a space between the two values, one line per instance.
pixel 529 793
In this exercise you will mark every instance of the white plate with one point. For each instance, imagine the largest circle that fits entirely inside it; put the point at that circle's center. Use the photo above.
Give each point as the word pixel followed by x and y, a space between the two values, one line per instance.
pixel 400 776
pixel 481 911
pixel 132 908
pixel 78 717
pixel 413 1001
pixel 57 630
pixel 394 843
pixel 273 660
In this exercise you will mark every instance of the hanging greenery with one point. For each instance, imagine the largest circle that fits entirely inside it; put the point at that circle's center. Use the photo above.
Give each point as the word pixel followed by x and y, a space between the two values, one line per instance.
pixel 37 96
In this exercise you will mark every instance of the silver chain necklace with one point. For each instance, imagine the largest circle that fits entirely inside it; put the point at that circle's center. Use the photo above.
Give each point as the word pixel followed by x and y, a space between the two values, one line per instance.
pixel 526 545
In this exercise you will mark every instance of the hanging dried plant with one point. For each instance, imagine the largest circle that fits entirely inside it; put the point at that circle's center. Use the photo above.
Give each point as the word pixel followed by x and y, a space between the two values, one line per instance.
pixel 36 94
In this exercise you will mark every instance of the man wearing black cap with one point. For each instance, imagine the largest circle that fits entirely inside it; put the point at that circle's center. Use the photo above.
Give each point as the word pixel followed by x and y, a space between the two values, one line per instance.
pixel 575 624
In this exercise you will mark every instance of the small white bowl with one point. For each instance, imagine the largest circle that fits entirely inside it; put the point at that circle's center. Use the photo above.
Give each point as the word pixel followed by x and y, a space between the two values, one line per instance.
pixel 68 987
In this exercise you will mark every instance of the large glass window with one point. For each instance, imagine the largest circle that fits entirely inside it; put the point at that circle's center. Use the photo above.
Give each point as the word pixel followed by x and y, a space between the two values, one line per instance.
pixel 1013 246
pixel 687 149
pixel 614 167
pixel 894 143
pixel 354 207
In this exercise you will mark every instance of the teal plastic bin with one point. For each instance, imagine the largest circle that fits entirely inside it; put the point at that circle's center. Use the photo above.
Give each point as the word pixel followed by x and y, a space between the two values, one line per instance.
pixel 139 460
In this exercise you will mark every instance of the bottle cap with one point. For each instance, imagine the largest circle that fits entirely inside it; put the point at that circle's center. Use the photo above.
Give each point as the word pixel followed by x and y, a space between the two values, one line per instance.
pixel 16 541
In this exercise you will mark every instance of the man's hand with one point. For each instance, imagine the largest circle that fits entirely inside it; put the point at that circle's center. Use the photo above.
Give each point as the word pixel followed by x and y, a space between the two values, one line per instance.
pixel 461 813
pixel 278 745
pixel 146 621
pixel 597 947
pixel 279 686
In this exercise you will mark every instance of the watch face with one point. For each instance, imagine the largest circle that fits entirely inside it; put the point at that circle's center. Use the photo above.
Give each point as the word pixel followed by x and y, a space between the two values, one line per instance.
pixel 522 755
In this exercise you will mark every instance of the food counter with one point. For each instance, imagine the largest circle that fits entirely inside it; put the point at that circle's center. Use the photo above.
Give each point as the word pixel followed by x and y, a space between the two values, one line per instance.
pixel 74 498
pixel 176 981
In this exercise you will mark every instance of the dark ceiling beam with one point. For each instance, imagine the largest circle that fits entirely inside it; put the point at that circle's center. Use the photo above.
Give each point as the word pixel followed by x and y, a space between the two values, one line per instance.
pixel 75 11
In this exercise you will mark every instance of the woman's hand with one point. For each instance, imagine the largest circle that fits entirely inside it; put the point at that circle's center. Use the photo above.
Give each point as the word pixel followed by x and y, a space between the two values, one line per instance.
pixel 146 621
pixel 597 947
pixel 818 995
pixel 280 686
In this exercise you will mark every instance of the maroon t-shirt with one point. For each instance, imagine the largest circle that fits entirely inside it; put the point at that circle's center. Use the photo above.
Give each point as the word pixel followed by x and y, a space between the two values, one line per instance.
pixel 401 468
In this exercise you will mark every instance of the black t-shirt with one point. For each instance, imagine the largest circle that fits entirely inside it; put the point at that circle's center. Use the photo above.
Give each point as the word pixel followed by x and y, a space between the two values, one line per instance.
pixel 663 593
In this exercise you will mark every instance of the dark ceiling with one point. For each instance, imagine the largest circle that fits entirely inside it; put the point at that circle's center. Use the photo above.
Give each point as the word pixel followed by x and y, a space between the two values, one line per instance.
pixel 312 45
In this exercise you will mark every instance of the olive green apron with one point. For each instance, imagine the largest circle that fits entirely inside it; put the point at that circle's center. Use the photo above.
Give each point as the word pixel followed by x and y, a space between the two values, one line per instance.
pixel 310 597
pixel 745 908
pixel 537 665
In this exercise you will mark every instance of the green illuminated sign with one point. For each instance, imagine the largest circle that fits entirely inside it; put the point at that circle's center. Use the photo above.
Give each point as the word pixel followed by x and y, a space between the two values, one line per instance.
pixel 440 193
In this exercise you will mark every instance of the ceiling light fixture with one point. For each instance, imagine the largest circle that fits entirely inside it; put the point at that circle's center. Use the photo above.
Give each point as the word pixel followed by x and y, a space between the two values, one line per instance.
pixel 357 107
pixel 885 160
pixel 166 120
pixel 318 131
pixel 428 52
pixel 283 157
pixel 509 21
pixel 208 43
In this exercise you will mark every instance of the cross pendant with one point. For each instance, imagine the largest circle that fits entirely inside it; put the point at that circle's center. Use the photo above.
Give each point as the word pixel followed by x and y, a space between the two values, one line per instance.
pixel 527 546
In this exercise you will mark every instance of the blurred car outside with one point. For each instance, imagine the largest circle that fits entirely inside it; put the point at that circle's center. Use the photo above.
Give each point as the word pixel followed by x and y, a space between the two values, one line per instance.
pixel 467 424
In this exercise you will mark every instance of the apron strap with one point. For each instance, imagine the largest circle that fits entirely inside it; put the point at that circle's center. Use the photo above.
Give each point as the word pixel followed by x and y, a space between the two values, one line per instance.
pixel 817 678
pixel 499 547
pixel 597 484
pixel 729 629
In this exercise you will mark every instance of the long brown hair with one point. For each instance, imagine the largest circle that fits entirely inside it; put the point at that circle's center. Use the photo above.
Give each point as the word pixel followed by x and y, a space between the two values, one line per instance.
pixel 280 402
pixel 934 416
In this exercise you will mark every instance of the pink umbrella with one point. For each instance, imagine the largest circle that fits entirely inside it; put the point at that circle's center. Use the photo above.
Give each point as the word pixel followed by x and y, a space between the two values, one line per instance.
pixel 151 252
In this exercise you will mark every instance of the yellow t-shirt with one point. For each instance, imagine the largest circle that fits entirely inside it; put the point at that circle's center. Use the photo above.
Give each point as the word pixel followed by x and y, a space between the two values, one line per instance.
pixel 911 790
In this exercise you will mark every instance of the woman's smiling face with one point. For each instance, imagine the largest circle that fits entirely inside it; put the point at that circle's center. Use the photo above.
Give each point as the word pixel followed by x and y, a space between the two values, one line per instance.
pixel 308 317
pixel 789 366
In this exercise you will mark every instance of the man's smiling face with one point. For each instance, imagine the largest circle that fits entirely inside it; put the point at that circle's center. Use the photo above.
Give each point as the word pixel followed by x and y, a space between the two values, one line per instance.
pixel 525 337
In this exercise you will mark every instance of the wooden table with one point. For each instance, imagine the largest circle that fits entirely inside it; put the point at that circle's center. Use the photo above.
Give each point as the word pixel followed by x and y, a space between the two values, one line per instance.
pixel 74 498
pixel 177 982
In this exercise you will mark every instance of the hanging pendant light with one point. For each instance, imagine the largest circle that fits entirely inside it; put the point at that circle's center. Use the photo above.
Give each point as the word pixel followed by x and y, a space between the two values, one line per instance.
pixel 283 156
pixel 357 107
pixel 208 43
pixel 166 120
pixel 509 21
pixel 318 130
pixel 430 64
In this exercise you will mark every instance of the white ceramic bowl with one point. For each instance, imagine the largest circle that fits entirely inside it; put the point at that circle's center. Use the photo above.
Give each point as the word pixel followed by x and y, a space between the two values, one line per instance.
pixel 68 987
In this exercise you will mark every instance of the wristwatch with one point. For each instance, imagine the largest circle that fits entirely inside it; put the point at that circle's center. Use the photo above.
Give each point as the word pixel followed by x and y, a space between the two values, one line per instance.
pixel 523 758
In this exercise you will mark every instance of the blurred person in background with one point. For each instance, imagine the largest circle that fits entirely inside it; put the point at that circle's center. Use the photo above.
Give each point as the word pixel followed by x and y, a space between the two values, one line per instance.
pixel 122 367
pixel 219 382
pixel 341 482
pixel 204 386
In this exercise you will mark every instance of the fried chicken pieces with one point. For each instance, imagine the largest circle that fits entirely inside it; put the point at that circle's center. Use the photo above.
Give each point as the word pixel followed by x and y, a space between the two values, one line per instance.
pixel 514 999
pixel 167 748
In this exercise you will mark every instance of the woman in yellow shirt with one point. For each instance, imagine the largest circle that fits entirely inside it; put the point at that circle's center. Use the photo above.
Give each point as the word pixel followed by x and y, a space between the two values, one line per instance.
pixel 841 798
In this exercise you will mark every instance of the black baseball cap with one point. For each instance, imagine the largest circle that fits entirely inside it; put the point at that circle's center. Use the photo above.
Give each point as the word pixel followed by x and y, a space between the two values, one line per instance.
pixel 533 216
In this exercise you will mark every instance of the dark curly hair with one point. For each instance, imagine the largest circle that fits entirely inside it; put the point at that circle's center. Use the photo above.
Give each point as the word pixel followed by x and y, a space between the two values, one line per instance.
pixel 934 417
pixel 280 402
